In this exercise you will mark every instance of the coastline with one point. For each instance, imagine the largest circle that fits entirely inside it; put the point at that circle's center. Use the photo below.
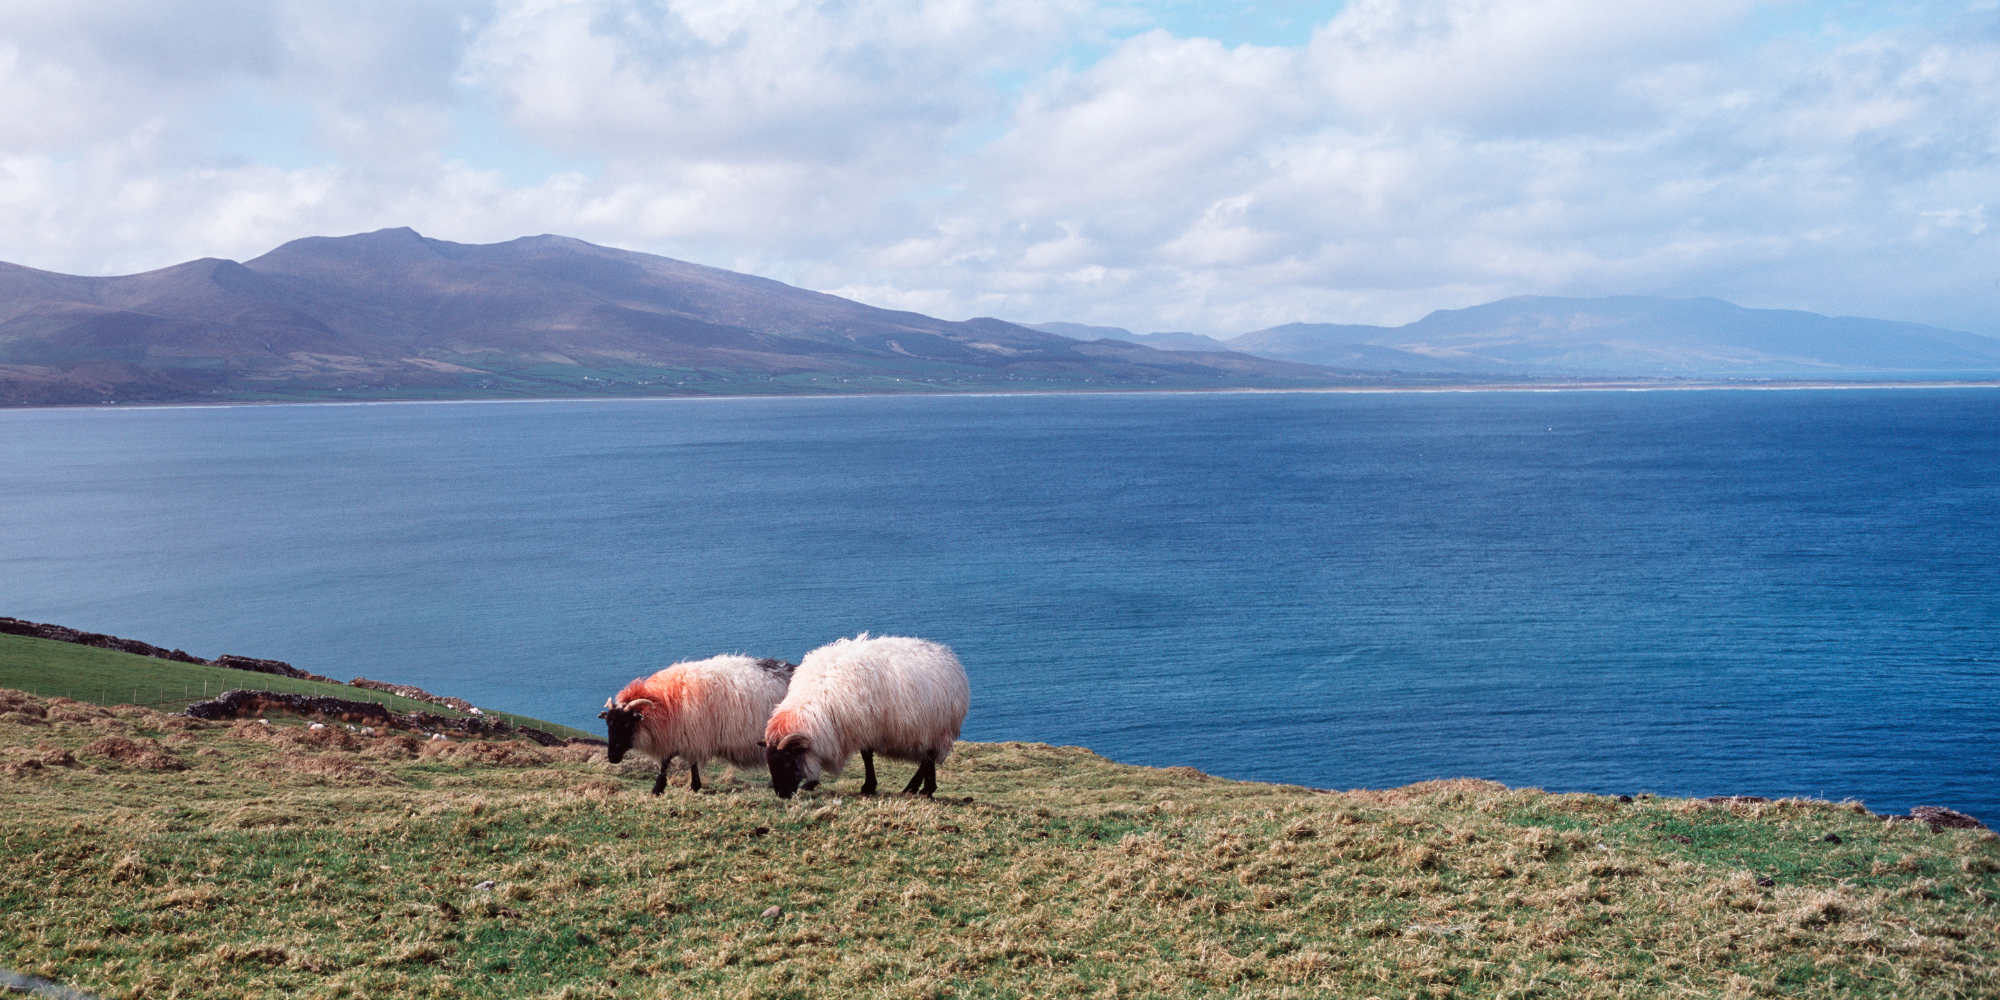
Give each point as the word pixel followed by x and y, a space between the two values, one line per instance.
pixel 252 701
pixel 1605 385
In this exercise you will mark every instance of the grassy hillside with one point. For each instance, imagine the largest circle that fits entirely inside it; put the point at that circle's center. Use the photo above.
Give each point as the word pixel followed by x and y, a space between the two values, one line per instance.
pixel 109 677
pixel 145 855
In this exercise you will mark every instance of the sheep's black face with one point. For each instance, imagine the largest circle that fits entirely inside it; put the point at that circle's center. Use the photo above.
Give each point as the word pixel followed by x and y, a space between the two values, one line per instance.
pixel 622 725
pixel 787 769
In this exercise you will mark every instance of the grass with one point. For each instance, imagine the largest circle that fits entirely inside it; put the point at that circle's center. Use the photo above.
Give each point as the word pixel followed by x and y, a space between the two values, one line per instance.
pixel 145 855
pixel 109 677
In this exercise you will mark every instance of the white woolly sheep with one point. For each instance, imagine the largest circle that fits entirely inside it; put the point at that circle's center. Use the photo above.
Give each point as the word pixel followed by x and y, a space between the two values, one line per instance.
pixel 903 698
pixel 697 710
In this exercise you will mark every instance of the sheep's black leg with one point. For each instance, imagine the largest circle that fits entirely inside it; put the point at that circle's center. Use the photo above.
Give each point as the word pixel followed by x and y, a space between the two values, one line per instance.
pixel 916 784
pixel 868 765
pixel 929 772
pixel 694 775
pixel 660 783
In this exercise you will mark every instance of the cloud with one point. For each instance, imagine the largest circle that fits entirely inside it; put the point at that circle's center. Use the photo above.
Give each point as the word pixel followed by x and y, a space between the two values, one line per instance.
pixel 83 71
pixel 1416 156
pixel 1531 66
pixel 1054 159
pixel 728 81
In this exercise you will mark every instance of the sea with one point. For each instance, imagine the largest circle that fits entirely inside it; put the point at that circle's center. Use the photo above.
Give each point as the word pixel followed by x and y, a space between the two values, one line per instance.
pixel 1701 592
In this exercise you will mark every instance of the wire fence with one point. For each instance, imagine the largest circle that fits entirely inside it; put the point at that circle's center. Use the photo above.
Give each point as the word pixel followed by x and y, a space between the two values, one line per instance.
pixel 164 697
pixel 172 687
pixel 168 692
pixel 172 695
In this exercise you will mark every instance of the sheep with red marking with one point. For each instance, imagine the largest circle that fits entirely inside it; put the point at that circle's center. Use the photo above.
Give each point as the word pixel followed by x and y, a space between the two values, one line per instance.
pixel 698 709
pixel 900 697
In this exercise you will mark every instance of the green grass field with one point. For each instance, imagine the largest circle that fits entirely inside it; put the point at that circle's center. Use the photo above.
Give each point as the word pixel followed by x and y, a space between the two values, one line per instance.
pixel 108 677
pixel 148 855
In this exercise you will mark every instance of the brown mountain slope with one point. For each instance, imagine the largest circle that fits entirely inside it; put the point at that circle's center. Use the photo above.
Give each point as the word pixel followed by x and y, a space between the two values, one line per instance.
pixel 394 314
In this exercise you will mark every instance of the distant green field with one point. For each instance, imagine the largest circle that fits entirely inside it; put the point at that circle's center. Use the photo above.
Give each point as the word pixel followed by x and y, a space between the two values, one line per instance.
pixel 107 677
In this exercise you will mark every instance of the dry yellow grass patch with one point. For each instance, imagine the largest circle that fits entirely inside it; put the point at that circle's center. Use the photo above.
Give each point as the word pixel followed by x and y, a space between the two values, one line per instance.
pixel 287 861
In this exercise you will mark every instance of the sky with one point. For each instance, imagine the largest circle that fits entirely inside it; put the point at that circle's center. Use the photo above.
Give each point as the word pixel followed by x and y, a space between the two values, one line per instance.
pixel 1168 165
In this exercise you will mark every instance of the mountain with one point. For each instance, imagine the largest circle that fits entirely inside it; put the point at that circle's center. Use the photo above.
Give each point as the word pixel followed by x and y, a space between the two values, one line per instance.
pixel 1633 337
pixel 1174 341
pixel 393 314
pixel 1352 346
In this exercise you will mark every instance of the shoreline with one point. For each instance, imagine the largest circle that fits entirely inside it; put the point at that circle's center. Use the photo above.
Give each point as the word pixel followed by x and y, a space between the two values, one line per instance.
pixel 252 701
pixel 1606 385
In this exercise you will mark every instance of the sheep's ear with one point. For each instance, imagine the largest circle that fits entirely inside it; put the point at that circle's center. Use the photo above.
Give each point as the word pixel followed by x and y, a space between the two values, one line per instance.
pixel 606 714
pixel 797 742
pixel 636 704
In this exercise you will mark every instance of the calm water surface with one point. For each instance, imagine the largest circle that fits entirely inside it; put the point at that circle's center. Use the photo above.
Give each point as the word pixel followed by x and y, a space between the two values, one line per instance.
pixel 1771 593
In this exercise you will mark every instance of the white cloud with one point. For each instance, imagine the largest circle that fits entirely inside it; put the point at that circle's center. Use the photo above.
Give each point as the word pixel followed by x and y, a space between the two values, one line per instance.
pixel 1531 66
pixel 1024 159
pixel 800 78
pixel 1151 125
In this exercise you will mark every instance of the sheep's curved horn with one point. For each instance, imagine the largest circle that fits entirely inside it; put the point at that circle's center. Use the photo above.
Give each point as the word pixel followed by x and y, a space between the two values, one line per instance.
pixel 634 704
pixel 796 741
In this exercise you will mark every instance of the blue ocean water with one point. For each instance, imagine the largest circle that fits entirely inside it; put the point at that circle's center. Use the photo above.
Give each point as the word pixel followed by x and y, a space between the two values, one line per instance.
pixel 1701 592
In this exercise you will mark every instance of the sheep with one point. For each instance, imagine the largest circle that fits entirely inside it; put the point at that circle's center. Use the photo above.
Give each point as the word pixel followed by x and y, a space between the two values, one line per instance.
pixel 904 698
pixel 697 710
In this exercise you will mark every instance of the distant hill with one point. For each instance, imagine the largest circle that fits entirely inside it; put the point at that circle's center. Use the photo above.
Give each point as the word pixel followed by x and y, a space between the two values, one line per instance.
pixel 392 314
pixel 1631 336
pixel 1174 341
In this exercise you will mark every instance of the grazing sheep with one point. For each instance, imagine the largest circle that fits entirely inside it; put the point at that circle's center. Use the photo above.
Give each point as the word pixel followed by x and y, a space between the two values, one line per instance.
pixel 902 698
pixel 700 709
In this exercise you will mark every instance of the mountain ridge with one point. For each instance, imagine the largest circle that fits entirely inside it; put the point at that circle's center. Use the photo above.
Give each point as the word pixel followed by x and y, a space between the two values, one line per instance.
pixel 394 314
pixel 1618 336
pixel 1633 336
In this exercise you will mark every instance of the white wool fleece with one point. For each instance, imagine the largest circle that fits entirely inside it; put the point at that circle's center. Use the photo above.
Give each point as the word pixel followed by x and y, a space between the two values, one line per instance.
pixel 900 697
